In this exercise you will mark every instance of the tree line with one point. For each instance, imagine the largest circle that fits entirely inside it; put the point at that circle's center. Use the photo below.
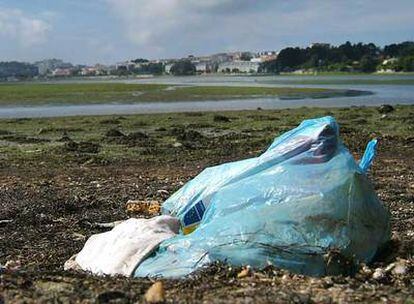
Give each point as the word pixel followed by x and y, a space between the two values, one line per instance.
pixel 346 57
pixel 17 69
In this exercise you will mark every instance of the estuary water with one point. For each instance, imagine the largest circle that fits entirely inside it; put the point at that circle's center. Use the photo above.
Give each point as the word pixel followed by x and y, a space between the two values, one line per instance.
pixel 385 89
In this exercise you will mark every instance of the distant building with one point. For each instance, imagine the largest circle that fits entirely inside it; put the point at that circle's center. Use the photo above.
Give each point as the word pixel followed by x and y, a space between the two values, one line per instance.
pixel 221 57
pixel 257 59
pixel 88 71
pixel 126 66
pixel 388 65
pixel 61 72
pixel 48 65
pixel 167 68
pixel 239 66
pixel 203 67
pixel 389 61
pixel 267 56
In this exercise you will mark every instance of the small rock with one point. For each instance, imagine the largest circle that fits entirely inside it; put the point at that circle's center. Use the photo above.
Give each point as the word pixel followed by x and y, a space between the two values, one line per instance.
pixel 156 293
pixel 78 237
pixel 71 264
pixel 190 135
pixel 386 108
pixel 244 273
pixel 114 133
pixel 49 287
pixel 137 136
pixel 389 267
pixel 162 191
pixel 221 118
pixel 328 281
pixel 365 269
pixel 65 137
pixel 400 268
pixel 4 222
pixel 378 274
pixel 13 265
pixel 285 277
pixel 112 297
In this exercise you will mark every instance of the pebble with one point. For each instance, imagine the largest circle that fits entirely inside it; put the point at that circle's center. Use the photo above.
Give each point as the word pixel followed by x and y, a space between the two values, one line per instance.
pixel 378 274
pixel 162 191
pixel 365 269
pixel 389 267
pixel 13 265
pixel 285 277
pixel 400 268
pixel 156 293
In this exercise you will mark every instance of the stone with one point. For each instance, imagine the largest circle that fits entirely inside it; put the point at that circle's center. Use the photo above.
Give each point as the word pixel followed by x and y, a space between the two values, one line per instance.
pixel 244 273
pixel 156 293
pixel 378 274
pixel 385 108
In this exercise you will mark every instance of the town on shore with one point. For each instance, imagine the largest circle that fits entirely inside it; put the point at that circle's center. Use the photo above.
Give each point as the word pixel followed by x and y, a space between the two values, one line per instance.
pixel 317 57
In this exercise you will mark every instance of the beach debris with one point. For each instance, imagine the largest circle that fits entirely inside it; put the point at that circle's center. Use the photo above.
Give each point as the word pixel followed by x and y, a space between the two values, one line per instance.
pixel 143 207
pixel 244 273
pixel 156 293
pixel 4 222
pixel 119 250
pixel 224 204
pixel 107 225
pixel 385 108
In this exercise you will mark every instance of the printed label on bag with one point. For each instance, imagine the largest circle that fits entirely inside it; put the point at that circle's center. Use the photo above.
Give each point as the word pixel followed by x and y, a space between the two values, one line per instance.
pixel 194 216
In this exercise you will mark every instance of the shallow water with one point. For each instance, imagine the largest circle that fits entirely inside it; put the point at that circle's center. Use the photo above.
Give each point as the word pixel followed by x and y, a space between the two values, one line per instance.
pixel 383 88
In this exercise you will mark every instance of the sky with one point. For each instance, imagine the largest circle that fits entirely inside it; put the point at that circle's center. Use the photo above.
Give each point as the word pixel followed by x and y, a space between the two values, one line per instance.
pixel 109 31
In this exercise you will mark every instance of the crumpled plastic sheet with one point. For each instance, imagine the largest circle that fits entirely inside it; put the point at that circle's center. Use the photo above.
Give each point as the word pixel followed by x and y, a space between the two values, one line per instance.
pixel 304 205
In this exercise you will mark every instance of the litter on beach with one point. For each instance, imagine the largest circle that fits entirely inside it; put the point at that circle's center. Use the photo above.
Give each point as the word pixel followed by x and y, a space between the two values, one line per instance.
pixel 302 202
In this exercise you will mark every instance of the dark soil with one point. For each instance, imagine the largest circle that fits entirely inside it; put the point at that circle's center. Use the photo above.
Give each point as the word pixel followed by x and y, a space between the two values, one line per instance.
pixel 53 201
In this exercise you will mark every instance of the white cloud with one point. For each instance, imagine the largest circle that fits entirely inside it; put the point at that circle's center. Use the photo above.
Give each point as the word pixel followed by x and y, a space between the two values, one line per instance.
pixel 179 27
pixel 19 27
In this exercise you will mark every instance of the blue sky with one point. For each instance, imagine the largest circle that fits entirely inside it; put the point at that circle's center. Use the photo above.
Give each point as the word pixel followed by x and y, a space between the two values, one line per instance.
pixel 107 31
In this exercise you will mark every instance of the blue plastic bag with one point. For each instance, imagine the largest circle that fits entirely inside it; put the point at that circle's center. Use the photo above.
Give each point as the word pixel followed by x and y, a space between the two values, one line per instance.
pixel 295 205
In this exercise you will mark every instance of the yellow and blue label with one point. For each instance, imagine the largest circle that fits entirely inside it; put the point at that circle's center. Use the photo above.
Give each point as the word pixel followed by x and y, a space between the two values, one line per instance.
pixel 193 217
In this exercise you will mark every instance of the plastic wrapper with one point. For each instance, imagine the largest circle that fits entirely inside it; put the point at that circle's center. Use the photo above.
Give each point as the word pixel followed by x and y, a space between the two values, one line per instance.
pixel 305 205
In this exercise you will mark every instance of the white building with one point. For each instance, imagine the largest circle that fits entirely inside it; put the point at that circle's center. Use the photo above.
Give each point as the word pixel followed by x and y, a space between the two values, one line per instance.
pixel 167 68
pixel 61 72
pixel 239 66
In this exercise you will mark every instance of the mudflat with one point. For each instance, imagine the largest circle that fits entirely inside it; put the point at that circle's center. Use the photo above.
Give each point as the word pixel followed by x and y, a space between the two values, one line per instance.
pixel 61 176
